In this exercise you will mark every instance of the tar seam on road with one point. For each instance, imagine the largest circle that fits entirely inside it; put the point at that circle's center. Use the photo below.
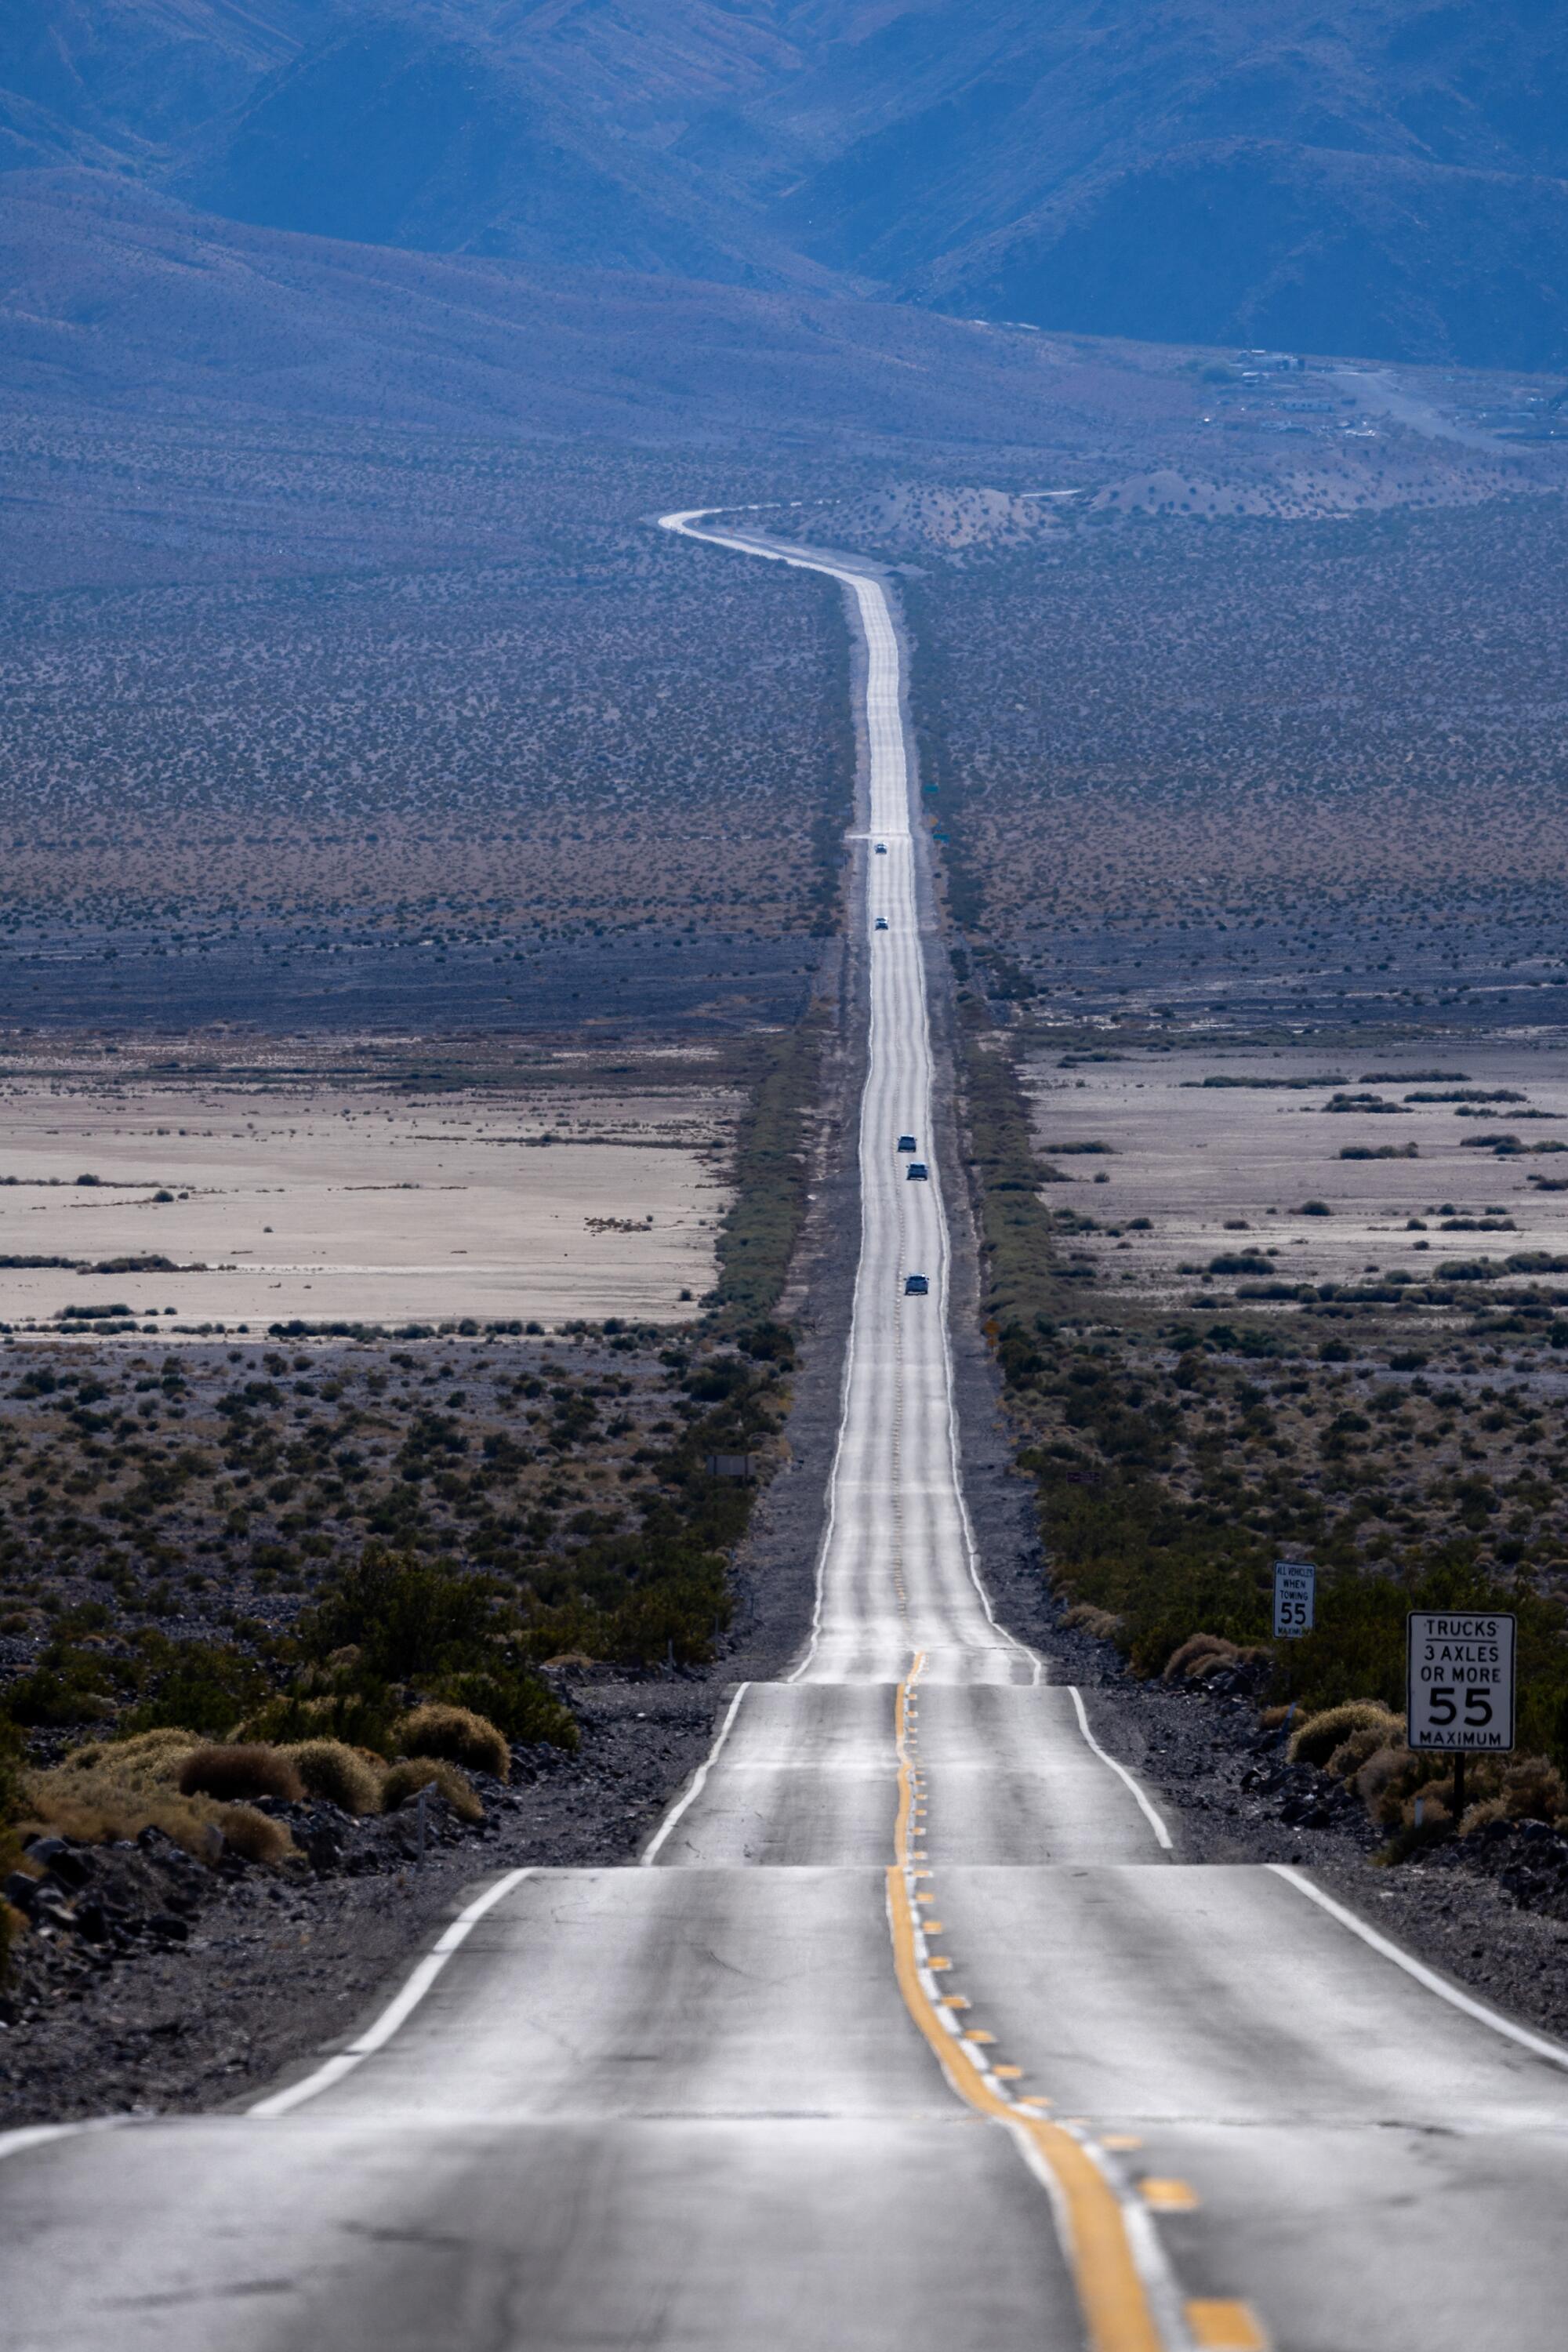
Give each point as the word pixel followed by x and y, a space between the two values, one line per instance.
pixel 402 2004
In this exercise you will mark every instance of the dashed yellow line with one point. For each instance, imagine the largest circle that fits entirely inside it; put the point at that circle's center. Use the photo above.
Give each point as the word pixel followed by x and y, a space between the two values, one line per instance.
pixel 1220 2326
pixel 1110 2292
pixel 1118 2314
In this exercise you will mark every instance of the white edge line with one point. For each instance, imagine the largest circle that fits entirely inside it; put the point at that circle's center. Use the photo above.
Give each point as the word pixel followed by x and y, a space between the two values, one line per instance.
pixel 26 2136
pixel 402 2005
pixel 651 1852
pixel 1153 1819
pixel 1554 2053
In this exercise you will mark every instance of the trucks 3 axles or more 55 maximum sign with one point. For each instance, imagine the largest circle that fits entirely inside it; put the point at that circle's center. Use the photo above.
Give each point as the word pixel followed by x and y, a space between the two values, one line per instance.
pixel 1459 1680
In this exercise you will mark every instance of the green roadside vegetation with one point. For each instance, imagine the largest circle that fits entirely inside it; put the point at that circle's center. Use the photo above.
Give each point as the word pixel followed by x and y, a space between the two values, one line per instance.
pixel 757 1238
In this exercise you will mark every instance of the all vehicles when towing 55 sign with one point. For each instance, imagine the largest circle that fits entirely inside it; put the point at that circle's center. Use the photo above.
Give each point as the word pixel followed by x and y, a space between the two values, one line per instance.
pixel 1459 1680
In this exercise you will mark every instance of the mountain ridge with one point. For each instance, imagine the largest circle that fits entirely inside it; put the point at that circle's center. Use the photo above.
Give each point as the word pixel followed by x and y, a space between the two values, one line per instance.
pixel 1205 170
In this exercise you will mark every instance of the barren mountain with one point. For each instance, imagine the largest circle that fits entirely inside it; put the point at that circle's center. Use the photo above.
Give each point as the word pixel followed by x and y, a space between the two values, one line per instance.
pixel 1385 177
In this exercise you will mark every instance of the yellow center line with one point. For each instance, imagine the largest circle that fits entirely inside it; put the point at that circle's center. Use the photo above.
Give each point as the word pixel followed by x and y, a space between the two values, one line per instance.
pixel 1112 2294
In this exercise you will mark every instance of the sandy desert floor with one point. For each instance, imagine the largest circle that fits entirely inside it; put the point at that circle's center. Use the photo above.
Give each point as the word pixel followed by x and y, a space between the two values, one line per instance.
pixel 327 1202
pixel 1226 1170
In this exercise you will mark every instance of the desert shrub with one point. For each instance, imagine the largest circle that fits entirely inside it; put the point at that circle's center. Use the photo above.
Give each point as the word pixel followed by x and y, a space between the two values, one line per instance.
pixel 202 1687
pixel 521 1706
pixel 1378 1773
pixel 1196 1653
pixel 352 1719
pixel 332 1770
pixel 407 1618
pixel 144 1762
pixel 1533 1790
pixel 249 1769
pixel 457 1734
pixel 1084 1617
pixel 253 1836
pixel 117 1789
pixel 405 1781
pixel 70 1685
pixel 1362 1745
pixel 1316 1739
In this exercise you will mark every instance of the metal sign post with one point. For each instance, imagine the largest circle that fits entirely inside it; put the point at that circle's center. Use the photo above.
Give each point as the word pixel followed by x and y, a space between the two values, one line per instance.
pixel 1459 1686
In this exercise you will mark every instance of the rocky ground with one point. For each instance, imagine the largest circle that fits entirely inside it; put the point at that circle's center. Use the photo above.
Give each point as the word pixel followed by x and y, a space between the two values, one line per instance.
pixel 153 1982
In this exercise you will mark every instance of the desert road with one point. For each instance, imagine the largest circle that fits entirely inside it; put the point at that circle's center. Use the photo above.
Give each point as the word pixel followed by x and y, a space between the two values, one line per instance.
pixel 913 2029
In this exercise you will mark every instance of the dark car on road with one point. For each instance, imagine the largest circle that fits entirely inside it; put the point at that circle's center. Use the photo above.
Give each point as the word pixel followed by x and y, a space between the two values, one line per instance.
pixel 881 922
pixel 917 1169
pixel 915 1285
pixel 881 849
pixel 907 1143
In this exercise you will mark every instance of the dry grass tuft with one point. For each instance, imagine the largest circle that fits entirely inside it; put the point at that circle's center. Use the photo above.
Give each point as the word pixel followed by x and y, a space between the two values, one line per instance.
pixel 1198 1654
pixel 458 1734
pixel 343 1775
pixel 405 1780
pixel 1099 1623
pixel 1533 1790
pixel 1362 1745
pixel 1314 1741
pixel 254 1837
pixel 239 1771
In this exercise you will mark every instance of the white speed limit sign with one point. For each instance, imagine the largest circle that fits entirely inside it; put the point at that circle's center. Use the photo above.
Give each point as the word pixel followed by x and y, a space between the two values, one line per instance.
pixel 1459 1680
pixel 1295 1592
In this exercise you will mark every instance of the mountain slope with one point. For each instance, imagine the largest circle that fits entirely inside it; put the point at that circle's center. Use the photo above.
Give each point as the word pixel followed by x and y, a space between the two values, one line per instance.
pixel 114 298
pixel 1377 176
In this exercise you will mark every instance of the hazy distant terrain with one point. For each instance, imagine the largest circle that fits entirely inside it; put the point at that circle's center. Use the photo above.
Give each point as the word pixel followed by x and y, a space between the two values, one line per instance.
pixel 1386 177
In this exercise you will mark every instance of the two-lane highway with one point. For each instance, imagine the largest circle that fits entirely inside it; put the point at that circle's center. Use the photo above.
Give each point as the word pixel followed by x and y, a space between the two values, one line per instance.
pixel 912 2028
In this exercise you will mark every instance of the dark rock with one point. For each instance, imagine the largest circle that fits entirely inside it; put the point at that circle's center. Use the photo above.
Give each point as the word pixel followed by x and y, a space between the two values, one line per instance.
pixel 21 1889
pixel 93 1922
pixel 63 1861
pixel 174 1931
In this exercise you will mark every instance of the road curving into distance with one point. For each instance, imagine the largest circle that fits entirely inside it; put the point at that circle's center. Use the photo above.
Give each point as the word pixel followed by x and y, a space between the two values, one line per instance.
pixel 912 2027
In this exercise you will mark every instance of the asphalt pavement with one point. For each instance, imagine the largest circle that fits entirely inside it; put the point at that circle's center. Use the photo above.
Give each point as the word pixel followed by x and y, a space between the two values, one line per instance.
pixel 913 2026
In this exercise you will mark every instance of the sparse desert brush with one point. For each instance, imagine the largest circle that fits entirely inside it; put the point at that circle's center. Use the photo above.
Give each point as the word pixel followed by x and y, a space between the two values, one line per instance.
pixel 1362 1745
pixel 248 1770
pixel 342 1774
pixel 98 1805
pixel 457 1734
pixel 1197 1653
pixel 146 1763
pixel 1099 1623
pixel 1378 1774
pixel 253 1837
pixel 415 1773
pixel 1533 1790
pixel 1314 1741
pixel 355 1718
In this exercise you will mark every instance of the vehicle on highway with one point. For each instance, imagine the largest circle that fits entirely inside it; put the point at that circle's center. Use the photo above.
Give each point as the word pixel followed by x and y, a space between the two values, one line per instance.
pixel 907 1143
pixel 917 1172
pixel 915 1285
pixel 881 922
pixel 881 849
